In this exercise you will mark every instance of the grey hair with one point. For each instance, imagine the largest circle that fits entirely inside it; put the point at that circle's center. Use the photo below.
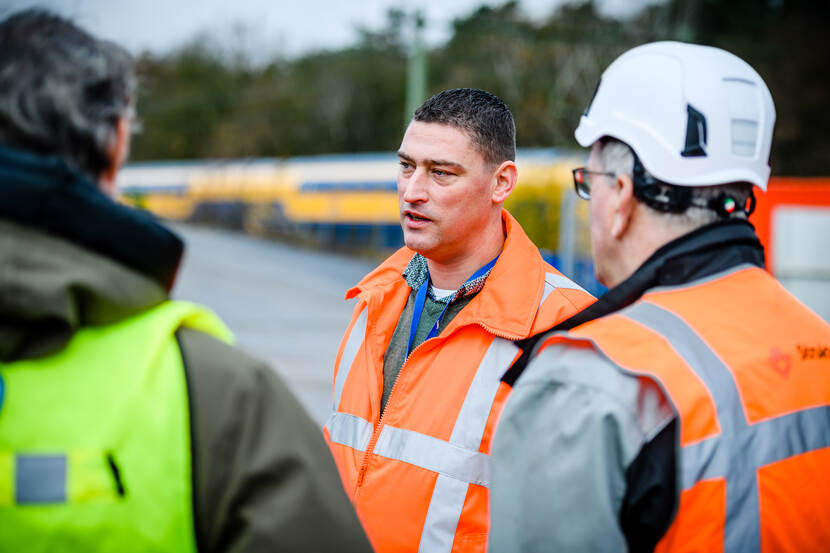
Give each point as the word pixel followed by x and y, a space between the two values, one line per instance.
pixel 617 157
pixel 62 91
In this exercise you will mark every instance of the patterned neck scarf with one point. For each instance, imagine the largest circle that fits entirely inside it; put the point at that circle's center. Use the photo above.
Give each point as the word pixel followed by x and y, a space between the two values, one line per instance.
pixel 417 272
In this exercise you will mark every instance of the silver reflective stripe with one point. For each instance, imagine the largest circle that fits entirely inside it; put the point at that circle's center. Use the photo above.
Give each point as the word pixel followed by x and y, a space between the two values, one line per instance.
pixel 703 461
pixel 772 440
pixel 40 479
pixel 469 426
pixel 349 354
pixel 433 454
pixel 553 281
pixel 792 434
pixel 742 531
pixel 349 430
pixel 457 461
pixel 448 496
pixel 443 515
pixel 741 448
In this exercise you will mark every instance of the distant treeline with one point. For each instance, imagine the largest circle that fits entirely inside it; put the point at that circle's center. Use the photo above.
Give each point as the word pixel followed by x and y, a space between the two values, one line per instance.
pixel 204 101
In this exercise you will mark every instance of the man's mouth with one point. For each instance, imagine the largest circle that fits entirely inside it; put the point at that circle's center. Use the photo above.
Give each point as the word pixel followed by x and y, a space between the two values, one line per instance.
pixel 415 216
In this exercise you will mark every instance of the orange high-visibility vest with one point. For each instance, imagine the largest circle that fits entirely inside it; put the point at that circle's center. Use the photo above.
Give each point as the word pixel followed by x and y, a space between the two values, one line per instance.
pixel 747 367
pixel 418 476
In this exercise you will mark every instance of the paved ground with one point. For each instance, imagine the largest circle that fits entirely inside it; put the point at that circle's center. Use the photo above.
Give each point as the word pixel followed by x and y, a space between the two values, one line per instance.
pixel 284 304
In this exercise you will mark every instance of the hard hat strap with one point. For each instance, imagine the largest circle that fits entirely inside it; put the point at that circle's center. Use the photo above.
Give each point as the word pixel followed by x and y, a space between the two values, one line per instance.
pixel 657 194
pixel 668 198
pixel 726 206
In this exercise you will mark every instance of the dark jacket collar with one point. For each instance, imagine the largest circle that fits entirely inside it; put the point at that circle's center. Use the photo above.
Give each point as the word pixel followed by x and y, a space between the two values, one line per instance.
pixel 70 257
pixel 711 249
pixel 42 193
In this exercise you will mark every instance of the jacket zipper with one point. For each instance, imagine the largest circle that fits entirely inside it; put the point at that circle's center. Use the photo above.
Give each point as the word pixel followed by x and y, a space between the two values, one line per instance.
pixel 500 334
pixel 376 434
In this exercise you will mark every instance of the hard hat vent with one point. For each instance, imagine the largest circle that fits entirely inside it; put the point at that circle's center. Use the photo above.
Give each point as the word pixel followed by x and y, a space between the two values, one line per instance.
pixel 695 134
pixel 744 113
pixel 744 135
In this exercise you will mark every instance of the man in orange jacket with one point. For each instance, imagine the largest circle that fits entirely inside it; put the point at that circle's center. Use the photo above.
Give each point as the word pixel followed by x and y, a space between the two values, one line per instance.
pixel 416 380
pixel 676 412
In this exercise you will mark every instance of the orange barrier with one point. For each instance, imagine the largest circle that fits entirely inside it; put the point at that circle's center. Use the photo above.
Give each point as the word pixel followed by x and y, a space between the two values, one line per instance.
pixel 786 191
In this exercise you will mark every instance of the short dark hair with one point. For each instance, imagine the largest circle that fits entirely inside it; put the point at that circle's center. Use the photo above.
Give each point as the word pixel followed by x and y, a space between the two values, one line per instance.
pixel 62 90
pixel 482 115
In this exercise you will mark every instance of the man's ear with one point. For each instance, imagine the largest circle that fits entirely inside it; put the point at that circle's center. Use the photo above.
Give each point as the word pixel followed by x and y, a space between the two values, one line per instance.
pixel 624 203
pixel 505 176
pixel 117 153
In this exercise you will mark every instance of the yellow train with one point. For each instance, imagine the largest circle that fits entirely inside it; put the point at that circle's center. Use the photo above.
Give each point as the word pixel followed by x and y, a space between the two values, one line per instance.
pixel 349 202
pixel 344 200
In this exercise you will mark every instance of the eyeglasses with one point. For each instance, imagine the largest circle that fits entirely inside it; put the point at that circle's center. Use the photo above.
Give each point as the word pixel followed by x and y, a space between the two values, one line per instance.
pixel 582 182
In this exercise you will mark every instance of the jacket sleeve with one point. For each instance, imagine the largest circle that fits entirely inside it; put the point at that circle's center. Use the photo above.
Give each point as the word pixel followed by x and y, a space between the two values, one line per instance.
pixel 572 427
pixel 263 478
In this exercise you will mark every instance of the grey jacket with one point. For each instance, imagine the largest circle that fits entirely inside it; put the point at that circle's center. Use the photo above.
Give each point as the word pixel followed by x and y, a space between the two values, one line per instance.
pixel 263 477
pixel 585 455
pixel 572 427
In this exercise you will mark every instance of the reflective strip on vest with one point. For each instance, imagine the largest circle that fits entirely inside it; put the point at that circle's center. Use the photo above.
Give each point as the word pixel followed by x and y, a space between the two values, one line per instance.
pixel 349 430
pixel 458 461
pixel 434 454
pixel 741 448
pixel 554 281
pixel 347 359
pixel 344 428
pixel 79 476
pixel 40 479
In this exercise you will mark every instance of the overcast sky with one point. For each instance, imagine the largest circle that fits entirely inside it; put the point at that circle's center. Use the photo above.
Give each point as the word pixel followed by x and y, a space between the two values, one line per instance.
pixel 290 27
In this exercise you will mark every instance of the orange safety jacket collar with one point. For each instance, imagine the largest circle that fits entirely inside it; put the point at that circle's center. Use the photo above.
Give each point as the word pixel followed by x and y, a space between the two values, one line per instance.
pixel 507 310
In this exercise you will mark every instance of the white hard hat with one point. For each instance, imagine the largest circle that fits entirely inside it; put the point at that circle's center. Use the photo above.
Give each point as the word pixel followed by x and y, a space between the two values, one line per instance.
pixel 694 115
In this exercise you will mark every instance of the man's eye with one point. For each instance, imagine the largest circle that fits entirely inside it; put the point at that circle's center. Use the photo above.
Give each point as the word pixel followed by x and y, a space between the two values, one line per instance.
pixel 405 165
pixel 440 173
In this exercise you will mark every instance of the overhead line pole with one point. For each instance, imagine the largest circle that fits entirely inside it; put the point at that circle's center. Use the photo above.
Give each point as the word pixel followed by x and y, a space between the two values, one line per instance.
pixel 416 74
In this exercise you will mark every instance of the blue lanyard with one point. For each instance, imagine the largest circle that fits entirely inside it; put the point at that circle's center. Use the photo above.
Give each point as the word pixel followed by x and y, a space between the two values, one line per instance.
pixel 420 300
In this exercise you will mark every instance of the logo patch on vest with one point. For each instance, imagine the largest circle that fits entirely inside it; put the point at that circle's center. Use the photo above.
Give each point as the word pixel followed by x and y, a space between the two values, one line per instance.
pixel 780 361
pixel 814 353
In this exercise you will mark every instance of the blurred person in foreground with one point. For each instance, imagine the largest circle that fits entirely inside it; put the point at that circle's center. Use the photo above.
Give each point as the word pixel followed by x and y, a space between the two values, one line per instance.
pixel 127 422
pixel 677 411
pixel 416 381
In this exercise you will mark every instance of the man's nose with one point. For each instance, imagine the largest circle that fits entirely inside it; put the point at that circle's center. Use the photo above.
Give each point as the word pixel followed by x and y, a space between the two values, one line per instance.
pixel 414 187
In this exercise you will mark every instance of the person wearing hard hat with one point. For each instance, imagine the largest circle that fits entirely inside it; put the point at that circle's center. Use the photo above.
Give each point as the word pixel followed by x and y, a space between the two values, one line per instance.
pixel 675 412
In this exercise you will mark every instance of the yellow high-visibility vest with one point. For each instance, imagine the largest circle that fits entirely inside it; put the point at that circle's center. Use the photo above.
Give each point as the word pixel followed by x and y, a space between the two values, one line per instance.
pixel 95 450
